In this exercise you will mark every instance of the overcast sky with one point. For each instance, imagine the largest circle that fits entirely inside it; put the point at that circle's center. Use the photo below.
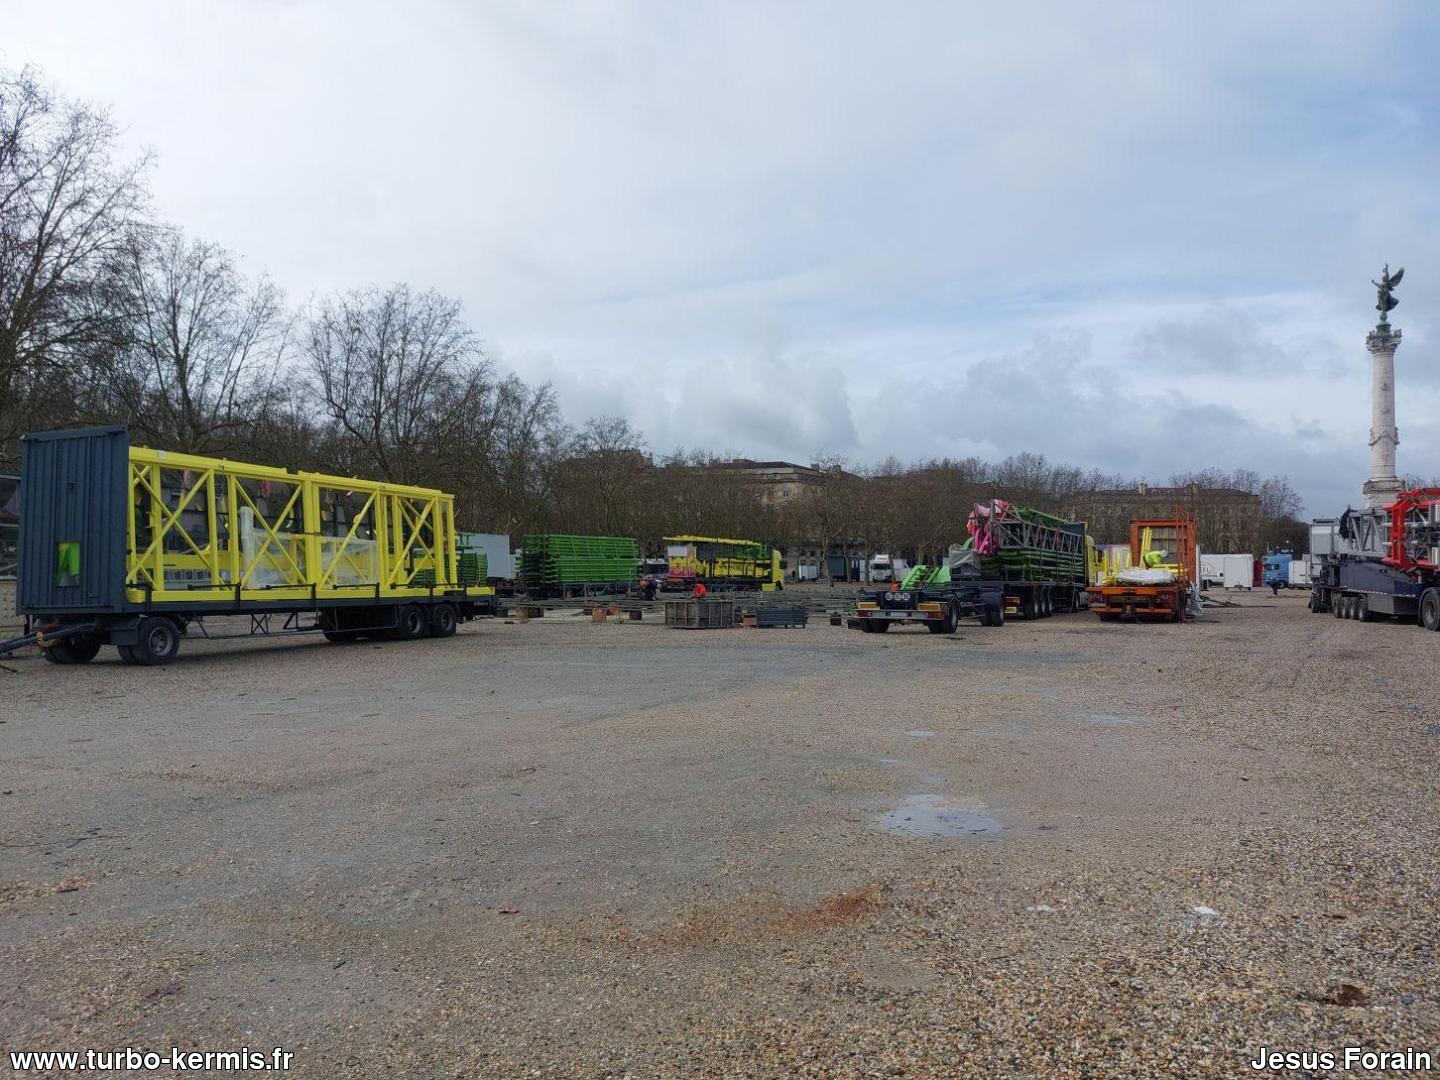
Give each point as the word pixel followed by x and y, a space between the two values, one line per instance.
pixel 1132 236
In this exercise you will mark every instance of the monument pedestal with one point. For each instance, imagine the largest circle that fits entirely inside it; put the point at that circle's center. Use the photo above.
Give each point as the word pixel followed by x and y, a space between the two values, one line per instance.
pixel 1383 485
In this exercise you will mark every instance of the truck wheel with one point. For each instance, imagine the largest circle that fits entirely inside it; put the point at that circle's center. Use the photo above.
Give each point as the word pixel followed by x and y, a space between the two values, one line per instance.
pixel 157 641
pixel 945 625
pixel 83 649
pixel 59 653
pixel 127 654
pixel 994 615
pixel 410 623
pixel 1430 609
pixel 442 620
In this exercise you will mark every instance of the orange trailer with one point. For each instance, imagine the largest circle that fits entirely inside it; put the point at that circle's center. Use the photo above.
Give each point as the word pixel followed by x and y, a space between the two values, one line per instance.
pixel 1166 602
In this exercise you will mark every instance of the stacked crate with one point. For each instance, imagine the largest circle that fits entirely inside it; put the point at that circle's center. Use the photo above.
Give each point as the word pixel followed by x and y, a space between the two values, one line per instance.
pixel 553 562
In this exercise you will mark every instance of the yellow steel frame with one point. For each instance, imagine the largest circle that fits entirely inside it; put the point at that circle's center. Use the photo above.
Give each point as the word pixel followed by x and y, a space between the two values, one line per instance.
pixel 722 566
pixel 204 530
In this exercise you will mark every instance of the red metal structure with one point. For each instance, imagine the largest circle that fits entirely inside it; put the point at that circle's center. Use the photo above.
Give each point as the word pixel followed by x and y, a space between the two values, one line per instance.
pixel 1414 531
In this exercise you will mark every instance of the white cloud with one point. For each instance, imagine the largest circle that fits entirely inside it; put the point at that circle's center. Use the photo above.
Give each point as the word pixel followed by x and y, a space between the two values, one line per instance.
pixel 766 227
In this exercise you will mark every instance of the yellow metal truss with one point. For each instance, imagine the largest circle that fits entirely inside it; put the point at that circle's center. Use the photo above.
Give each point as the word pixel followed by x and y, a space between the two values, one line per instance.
pixel 204 529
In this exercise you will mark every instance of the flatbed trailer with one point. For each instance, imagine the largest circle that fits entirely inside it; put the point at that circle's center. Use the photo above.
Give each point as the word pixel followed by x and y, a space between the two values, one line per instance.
pixel 939 608
pixel 1040 563
pixel 1159 602
pixel 132 547
pixel 1167 601
pixel 1381 563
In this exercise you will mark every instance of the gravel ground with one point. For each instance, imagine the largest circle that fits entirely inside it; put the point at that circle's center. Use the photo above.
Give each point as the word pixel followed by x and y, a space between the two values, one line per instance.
pixel 1060 849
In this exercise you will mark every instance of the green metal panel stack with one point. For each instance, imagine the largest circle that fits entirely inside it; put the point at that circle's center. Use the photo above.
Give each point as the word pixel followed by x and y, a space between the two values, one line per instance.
pixel 1036 546
pixel 556 561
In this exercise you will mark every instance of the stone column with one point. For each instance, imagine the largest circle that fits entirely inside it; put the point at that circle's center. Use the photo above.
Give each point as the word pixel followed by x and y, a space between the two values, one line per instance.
pixel 1383 485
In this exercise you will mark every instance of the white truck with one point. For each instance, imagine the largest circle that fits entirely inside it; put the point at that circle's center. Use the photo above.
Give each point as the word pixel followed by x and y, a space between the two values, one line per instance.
pixel 884 569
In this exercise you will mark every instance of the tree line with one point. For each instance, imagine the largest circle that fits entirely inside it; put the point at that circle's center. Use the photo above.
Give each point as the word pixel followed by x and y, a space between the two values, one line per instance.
pixel 109 315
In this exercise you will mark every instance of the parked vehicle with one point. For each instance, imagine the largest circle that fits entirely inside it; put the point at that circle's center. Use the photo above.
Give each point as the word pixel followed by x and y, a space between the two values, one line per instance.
pixel 882 569
pixel 132 547
pixel 1160 583
pixel 929 597
pixel 1381 562
pixel 1042 563
pixel 1016 562
pixel 1227 571
pixel 1277 569
pixel 723 564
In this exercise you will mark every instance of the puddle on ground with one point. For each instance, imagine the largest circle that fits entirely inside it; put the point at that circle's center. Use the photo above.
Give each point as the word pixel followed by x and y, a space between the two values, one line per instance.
pixel 935 815
pixel 918 734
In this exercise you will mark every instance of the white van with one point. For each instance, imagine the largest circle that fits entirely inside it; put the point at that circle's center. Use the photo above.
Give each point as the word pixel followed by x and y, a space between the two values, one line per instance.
pixel 885 569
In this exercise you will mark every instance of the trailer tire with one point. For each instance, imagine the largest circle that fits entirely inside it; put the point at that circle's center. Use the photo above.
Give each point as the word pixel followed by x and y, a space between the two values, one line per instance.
pixel 1337 605
pixel 157 641
pixel 1430 609
pixel 59 653
pixel 1362 609
pixel 1028 605
pixel 994 615
pixel 410 623
pixel 880 626
pixel 83 649
pixel 443 620
pixel 127 654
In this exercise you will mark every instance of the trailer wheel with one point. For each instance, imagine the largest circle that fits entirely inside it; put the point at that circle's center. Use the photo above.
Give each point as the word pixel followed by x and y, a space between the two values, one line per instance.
pixel 1029 605
pixel 157 641
pixel 1337 605
pixel 59 653
pixel 72 650
pixel 994 615
pixel 127 654
pixel 1430 609
pixel 443 620
pixel 945 625
pixel 880 626
pixel 1362 609
pixel 84 649
pixel 410 623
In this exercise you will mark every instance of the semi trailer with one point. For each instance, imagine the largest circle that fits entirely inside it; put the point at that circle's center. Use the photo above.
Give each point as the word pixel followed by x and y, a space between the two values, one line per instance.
pixel 133 547
pixel 1041 563
pixel 1382 562
pixel 722 564
pixel 1016 562
pixel 931 598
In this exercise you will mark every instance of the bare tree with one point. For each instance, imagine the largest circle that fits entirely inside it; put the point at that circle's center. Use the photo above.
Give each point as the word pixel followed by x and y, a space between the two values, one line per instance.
pixel 400 374
pixel 204 346
pixel 65 210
